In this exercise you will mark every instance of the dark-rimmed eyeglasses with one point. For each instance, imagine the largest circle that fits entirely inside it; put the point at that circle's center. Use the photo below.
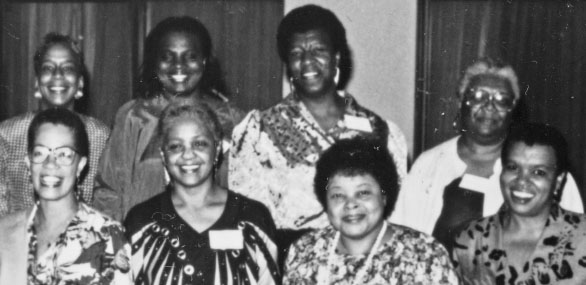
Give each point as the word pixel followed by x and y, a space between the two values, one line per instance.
pixel 64 156
pixel 502 101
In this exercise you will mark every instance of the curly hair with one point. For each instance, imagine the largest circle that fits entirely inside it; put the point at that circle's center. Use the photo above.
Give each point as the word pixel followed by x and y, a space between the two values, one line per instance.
pixel 491 67
pixel 358 156
pixel 64 117
pixel 149 84
pixel 191 110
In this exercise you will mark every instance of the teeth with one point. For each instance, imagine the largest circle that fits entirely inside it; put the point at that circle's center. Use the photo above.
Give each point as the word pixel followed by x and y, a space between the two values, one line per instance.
pixel 189 168
pixel 50 180
pixel 57 89
pixel 523 195
pixel 309 74
pixel 179 78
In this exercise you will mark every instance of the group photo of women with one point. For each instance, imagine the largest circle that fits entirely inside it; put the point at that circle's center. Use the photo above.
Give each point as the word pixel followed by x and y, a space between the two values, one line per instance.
pixel 191 180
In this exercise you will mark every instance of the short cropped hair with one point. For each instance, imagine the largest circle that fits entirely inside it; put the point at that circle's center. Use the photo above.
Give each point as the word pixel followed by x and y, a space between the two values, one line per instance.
pixel 149 84
pixel 64 117
pixel 538 134
pixel 52 39
pixel 190 110
pixel 490 67
pixel 358 156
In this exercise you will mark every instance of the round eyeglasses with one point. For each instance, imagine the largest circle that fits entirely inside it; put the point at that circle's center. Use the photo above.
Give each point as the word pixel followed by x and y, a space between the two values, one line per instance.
pixel 64 155
pixel 502 101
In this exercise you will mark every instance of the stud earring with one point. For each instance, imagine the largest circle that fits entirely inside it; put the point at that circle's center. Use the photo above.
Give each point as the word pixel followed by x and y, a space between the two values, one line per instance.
pixel 38 94
pixel 78 94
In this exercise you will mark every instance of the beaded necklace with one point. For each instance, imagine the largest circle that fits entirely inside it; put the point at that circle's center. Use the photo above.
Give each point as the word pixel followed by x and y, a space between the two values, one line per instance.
pixel 323 277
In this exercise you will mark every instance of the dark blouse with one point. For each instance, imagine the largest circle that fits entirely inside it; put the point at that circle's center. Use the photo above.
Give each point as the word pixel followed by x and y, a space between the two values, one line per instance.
pixel 166 250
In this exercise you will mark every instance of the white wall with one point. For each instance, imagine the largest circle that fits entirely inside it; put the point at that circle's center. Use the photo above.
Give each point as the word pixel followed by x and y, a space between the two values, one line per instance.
pixel 382 37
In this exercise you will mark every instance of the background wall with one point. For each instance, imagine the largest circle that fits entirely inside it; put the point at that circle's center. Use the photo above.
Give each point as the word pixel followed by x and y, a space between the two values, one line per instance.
pixel 382 37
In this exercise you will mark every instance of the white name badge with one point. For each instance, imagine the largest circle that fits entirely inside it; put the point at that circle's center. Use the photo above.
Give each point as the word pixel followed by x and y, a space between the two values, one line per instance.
pixel 226 239
pixel 475 183
pixel 357 123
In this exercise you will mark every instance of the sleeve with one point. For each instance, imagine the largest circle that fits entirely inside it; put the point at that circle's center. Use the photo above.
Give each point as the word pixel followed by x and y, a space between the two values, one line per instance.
pixel 291 274
pixel 245 175
pixel 120 264
pixel 397 145
pixel 3 177
pixel 441 270
pixel 265 275
pixel 411 207
pixel 463 255
pixel 115 166
pixel 571 199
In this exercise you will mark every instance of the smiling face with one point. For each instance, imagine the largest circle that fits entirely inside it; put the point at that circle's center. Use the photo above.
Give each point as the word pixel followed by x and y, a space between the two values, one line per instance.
pixel 355 205
pixel 52 180
pixel 180 64
pixel 312 63
pixel 59 77
pixel 189 151
pixel 529 179
pixel 484 122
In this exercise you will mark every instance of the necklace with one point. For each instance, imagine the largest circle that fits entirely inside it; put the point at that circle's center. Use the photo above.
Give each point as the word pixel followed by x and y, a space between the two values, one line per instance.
pixel 324 273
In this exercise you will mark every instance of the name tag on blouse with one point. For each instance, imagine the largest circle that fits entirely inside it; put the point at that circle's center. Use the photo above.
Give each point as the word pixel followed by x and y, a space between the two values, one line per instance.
pixel 475 183
pixel 226 239
pixel 357 123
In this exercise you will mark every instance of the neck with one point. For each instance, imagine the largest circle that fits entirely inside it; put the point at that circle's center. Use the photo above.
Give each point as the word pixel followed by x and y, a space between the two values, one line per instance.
pixel 44 106
pixel 360 246
pixel 328 105
pixel 481 148
pixel 529 225
pixel 174 97
pixel 52 213
pixel 196 196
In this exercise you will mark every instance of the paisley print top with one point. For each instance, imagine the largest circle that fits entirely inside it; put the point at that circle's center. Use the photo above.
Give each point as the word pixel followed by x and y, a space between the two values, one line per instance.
pixel 409 257
pixel 274 152
pixel 559 256
pixel 237 249
pixel 92 250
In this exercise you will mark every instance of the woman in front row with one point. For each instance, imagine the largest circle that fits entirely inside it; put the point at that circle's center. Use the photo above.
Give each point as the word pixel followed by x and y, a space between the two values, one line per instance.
pixel 60 240
pixel 197 232
pixel 531 240
pixel 356 182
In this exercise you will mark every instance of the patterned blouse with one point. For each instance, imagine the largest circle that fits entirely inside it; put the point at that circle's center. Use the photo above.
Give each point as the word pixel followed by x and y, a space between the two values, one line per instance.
pixel 409 257
pixel 131 168
pixel 20 190
pixel 559 256
pixel 237 249
pixel 92 250
pixel 274 153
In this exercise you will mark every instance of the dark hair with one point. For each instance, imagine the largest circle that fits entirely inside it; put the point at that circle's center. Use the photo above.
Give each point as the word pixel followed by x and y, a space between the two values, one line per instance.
pixel 313 17
pixel 60 116
pixel 358 156
pixel 149 84
pixel 538 134
pixel 52 39
pixel 193 110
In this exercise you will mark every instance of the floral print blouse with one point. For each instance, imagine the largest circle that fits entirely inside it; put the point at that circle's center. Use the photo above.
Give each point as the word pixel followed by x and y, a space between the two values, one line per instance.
pixel 559 256
pixel 274 152
pixel 409 257
pixel 92 250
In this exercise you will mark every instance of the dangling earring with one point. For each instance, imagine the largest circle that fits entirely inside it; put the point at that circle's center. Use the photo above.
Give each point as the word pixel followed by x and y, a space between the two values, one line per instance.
pixel 457 121
pixel 78 94
pixel 78 194
pixel 167 176
pixel 291 86
pixel 38 94
pixel 337 76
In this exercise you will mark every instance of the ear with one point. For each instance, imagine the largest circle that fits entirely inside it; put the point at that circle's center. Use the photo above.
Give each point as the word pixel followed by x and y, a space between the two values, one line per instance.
pixel 27 161
pixel 162 155
pixel 80 82
pixel 36 83
pixel 337 57
pixel 81 165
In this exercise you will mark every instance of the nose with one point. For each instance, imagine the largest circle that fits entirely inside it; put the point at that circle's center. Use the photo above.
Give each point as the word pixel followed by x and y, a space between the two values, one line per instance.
pixel 58 72
pixel 188 153
pixel 50 161
pixel 350 203
pixel 306 56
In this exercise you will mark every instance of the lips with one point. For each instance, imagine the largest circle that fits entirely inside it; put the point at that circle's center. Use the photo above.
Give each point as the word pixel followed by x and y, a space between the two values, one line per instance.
pixel 309 75
pixel 521 197
pixel 57 89
pixel 179 78
pixel 189 168
pixel 352 219
pixel 51 181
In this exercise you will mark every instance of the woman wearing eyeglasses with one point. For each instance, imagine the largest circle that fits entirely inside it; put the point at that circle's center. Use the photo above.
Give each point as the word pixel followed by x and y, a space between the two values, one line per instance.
pixel 457 181
pixel 60 240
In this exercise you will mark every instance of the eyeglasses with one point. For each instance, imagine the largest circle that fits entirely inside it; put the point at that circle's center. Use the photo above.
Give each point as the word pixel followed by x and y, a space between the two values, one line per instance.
pixel 502 101
pixel 64 155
